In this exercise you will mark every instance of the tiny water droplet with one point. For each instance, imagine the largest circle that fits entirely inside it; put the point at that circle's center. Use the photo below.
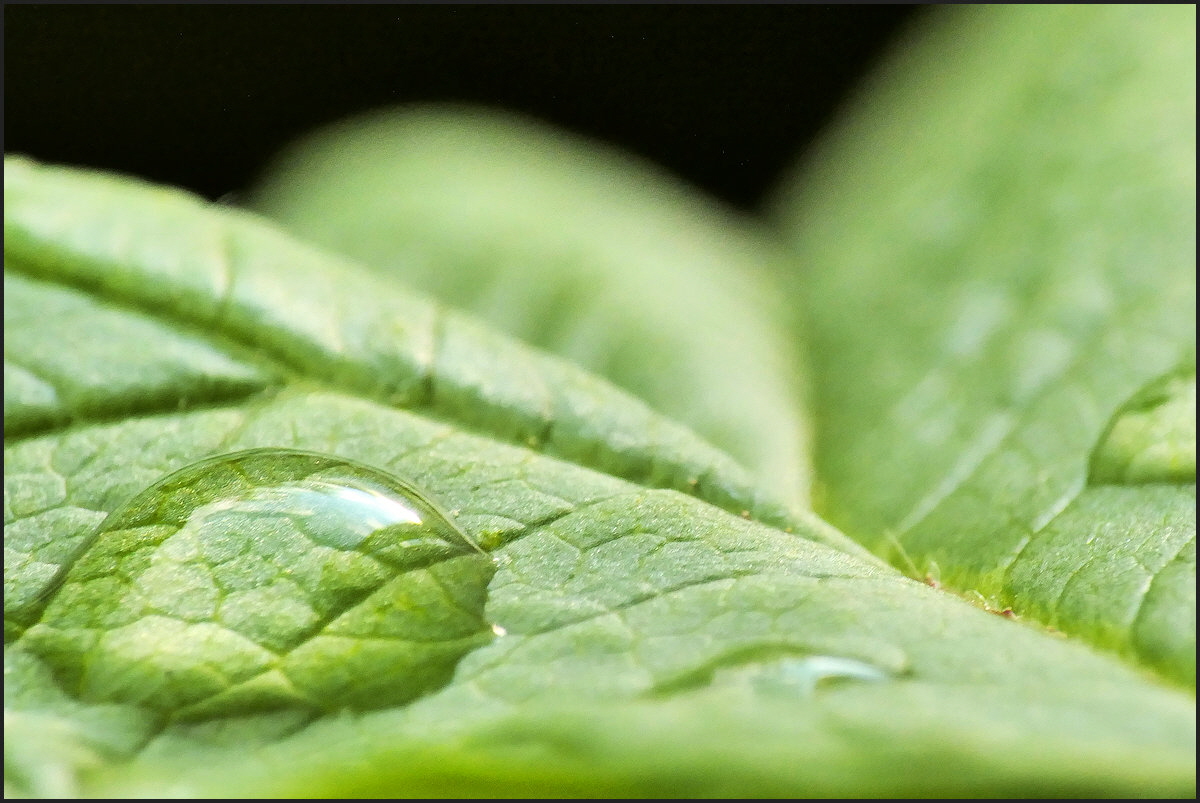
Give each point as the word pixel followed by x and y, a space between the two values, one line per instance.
pixel 801 675
pixel 1152 437
pixel 499 631
pixel 806 673
pixel 264 579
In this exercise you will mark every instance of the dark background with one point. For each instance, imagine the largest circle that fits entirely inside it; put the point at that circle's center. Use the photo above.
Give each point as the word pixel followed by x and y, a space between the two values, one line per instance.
pixel 201 96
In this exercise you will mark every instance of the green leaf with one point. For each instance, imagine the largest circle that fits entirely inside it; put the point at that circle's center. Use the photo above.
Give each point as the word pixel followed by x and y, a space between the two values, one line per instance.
pixel 280 311
pixel 633 640
pixel 632 617
pixel 573 247
pixel 997 253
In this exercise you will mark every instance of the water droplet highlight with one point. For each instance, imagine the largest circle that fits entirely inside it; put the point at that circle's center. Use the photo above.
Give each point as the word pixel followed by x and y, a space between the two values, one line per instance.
pixel 267 579
pixel 1152 437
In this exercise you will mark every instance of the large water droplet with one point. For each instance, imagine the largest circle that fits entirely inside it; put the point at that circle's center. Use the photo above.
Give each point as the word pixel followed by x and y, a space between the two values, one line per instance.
pixel 266 579
pixel 1152 437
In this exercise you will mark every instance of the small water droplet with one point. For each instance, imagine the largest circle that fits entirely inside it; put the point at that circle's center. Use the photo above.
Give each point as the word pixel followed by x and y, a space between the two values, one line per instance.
pixel 805 674
pixel 799 674
pixel 788 670
pixel 1152 437
pixel 266 579
pixel 499 631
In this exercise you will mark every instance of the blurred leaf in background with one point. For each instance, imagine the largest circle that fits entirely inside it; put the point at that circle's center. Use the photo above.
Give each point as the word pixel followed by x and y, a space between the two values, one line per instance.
pixel 574 248
pixel 996 250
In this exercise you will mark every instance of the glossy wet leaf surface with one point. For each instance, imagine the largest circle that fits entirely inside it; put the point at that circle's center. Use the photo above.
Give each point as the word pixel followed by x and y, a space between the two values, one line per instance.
pixel 647 603
pixel 215 584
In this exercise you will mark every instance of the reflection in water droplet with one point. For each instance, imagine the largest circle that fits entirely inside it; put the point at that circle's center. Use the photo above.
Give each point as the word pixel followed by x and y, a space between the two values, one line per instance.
pixel 265 579
pixel 1152 438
